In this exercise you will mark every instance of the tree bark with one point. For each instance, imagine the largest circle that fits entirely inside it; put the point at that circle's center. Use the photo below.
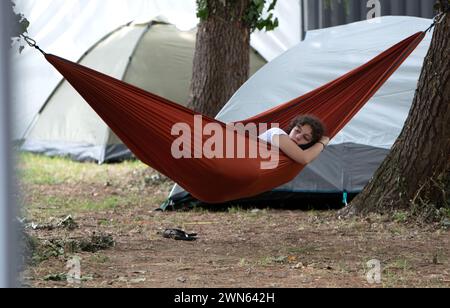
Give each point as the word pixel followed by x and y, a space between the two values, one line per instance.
pixel 222 56
pixel 415 176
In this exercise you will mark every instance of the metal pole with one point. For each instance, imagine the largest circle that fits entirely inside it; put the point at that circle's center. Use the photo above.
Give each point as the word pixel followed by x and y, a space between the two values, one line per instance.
pixel 8 236
pixel 303 20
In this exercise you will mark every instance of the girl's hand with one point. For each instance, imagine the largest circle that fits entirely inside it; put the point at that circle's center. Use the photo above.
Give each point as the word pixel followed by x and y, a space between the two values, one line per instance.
pixel 325 140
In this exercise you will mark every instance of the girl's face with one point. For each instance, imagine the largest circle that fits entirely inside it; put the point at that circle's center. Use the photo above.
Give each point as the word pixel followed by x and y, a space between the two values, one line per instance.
pixel 302 134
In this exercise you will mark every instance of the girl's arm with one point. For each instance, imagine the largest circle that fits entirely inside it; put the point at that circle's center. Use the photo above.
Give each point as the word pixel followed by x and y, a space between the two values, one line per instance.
pixel 291 149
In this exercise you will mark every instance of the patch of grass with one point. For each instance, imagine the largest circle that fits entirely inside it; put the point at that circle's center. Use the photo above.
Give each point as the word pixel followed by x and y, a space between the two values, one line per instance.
pixel 445 212
pixel 354 224
pixel 43 170
pixel 313 213
pixel 307 249
pixel 342 267
pixel 400 216
pixel 399 264
pixel 236 210
pixel 396 273
pixel 265 261
pixel 106 223
pixel 255 213
pixel 106 204
pixel 199 210
pixel 243 262
pixel 98 258
pixel 57 206
pixel 54 187
pixel 396 230
pixel 247 211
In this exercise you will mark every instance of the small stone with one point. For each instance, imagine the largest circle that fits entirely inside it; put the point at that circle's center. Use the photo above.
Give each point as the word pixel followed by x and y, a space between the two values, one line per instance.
pixel 138 280
pixel 298 265
pixel 181 279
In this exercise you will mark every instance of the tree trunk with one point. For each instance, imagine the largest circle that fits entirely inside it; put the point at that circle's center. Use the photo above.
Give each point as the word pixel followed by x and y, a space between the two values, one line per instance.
pixel 222 56
pixel 416 174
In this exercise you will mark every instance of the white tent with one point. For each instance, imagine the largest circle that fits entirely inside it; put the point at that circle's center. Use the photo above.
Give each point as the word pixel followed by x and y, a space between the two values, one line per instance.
pixel 357 151
pixel 68 28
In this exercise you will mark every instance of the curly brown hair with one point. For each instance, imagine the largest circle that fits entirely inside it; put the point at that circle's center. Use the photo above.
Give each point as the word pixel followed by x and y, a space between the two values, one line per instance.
pixel 318 128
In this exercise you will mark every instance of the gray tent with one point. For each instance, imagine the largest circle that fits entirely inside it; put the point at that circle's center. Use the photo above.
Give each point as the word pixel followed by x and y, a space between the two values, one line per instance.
pixel 156 57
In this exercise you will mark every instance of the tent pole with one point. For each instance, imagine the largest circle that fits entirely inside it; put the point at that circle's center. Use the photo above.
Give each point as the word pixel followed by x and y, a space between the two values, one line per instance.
pixel 8 242
pixel 303 16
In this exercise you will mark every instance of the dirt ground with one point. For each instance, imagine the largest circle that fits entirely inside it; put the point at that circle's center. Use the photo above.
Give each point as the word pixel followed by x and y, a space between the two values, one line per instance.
pixel 236 247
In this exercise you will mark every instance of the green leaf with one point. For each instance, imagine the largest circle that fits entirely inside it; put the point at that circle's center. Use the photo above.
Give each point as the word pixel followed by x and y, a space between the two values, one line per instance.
pixel 202 9
pixel 253 17
pixel 272 5
pixel 20 23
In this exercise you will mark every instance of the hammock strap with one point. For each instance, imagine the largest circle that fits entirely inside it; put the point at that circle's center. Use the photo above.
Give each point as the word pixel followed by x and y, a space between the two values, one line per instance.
pixel 438 19
pixel 32 43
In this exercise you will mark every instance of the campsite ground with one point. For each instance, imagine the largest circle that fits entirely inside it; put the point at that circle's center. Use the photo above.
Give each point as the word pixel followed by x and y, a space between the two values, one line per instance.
pixel 113 206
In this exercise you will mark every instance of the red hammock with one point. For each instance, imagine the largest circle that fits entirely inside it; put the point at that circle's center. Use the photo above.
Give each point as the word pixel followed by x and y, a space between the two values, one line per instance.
pixel 144 121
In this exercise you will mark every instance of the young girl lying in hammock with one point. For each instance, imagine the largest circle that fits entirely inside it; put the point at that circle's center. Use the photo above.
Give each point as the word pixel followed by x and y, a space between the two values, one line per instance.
pixel 305 140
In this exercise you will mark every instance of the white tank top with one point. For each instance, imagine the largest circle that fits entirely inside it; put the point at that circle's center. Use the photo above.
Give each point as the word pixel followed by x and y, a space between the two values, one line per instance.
pixel 268 135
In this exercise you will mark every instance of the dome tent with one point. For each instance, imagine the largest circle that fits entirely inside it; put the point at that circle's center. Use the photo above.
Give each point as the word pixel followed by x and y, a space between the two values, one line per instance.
pixel 155 56
pixel 357 151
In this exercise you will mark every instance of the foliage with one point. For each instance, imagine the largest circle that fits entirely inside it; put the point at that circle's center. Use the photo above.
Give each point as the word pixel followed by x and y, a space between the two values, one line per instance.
pixel 20 25
pixel 253 17
pixel 202 9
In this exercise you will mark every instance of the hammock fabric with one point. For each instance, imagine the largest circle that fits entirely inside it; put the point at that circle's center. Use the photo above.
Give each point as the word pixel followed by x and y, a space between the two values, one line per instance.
pixel 144 121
